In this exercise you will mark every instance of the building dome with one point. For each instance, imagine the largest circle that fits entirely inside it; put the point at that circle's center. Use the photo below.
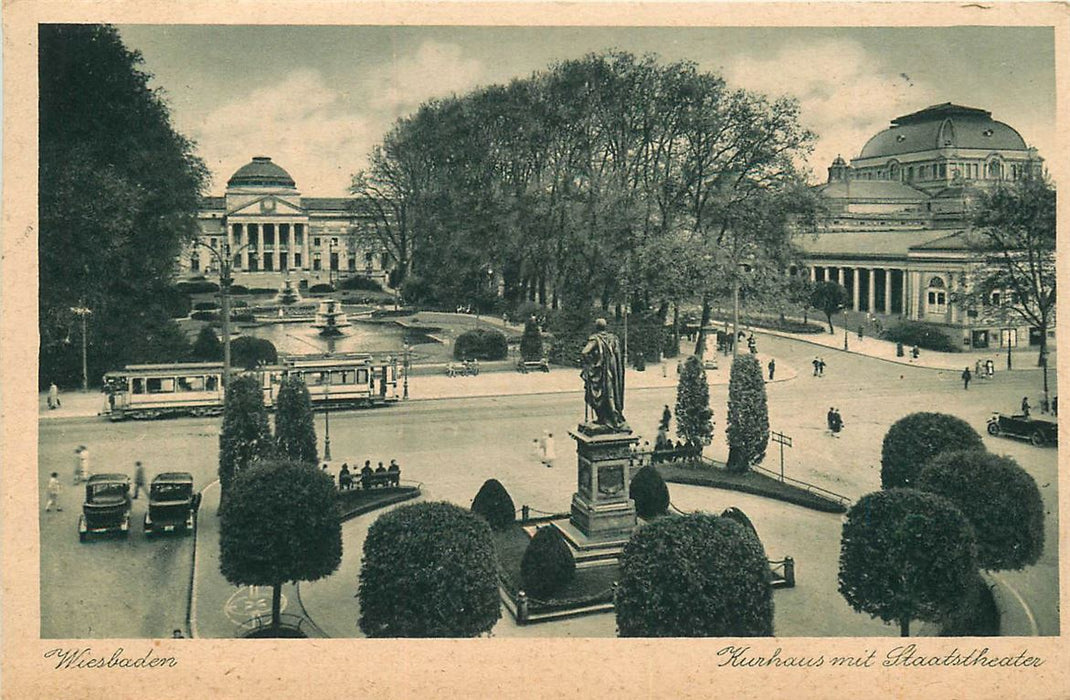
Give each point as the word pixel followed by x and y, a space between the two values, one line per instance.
pixel 943 126
pixel 260 172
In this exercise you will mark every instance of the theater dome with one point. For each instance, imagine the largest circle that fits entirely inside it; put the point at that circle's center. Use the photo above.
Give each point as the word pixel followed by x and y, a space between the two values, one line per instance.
pixel 260 172
pixel 944 126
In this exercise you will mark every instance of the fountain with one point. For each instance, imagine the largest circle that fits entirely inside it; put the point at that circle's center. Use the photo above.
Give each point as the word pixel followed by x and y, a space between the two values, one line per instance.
pixel 330 319
pixel 288 294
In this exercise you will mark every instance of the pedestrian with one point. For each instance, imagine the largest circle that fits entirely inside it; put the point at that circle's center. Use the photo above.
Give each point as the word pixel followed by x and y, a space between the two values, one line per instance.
pixel 177 634
pixel 53 396
pixel 772 369
pixel 837 422
pixel 990 368
pixel 81 464
pixel 861 332
pixel 380 469
pixel 752 345
pixel 830 419
pixel 139 478
pixel 817 364
pixel 821 367
pixel 915 352
pixel 549 454
pixel 966 377
pixel 977 369
pixel 1025 406
pixel 52 490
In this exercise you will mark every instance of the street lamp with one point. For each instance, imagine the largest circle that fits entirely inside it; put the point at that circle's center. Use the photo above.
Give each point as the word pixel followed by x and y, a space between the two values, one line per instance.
pixel 331 260
pixel 84 312
pixel 225 259
pixel 327 418
pixel 406 362
pixel 845 348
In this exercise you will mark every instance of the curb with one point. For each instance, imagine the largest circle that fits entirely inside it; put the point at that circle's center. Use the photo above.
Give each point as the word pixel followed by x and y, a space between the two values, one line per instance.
pixel 191 608
pixel 1013 608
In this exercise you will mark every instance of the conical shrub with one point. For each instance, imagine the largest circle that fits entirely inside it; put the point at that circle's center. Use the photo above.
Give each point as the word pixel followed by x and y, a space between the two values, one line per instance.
pixel 547 565
pixel 649 492
pixel 494 504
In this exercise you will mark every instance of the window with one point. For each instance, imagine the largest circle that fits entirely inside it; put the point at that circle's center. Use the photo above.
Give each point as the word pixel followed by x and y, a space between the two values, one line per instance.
pixel 254 264
pixel 352 262
pixel 139 385
pixel 269 234
pixel 362 377
pixel 191 383
pixel 211 382
pixel 212 242
pixel 316 242
pixel 384 260
pixel 996 299
pixel 160 385
pixel 299 234
pixel 195 263
pixel 316 262
pixel 937 296
pixel 297 260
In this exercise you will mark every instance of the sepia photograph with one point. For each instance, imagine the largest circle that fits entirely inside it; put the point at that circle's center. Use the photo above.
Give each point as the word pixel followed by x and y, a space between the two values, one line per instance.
pixel 515 331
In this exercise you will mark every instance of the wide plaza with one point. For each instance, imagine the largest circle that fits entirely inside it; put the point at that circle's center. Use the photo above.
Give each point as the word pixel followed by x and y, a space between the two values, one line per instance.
pixel 454 433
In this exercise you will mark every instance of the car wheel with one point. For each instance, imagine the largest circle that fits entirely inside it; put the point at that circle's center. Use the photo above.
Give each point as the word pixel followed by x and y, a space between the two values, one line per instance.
pixel 993 428
pixel 81 537
pixel 1036 439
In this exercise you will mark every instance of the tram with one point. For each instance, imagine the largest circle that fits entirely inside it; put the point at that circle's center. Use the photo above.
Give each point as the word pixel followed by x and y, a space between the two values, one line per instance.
pixel 196 389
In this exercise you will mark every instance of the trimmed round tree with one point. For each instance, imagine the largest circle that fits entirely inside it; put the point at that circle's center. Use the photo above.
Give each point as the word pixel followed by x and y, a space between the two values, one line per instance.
pixel 748 414
pixel 694 576
pixel 245 437
pixel 906 555
pixel 547 564
pixel 915 439
pixel 494 503
pixel 694 418
pixel 280 522
pixel 295 430
pixel 649 492
pixel 207 347
pixel 249 352
pixel 531 341
pixel 830 298
pixel 429 570
pixel 999 499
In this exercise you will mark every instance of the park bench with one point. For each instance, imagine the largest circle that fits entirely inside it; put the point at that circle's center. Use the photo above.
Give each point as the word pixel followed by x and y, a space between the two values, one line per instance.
pixel 524 367
pixel 380 479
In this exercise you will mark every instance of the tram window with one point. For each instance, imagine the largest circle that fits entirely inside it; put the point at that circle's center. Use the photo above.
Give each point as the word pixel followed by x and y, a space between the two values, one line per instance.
pixel 338 377
pixel 362 376
pixel 191 383
pixel 139 385
pixel 211 382
pixel 161 385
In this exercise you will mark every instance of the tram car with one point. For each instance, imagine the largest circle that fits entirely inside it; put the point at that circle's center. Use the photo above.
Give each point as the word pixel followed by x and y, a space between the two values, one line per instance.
pixel 182 389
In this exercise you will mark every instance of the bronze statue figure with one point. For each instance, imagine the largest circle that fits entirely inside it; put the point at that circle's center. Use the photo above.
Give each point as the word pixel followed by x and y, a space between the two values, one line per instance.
pixel 603 378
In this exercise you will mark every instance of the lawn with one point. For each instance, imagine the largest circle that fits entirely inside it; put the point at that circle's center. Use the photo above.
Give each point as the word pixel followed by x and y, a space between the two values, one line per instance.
pixel 709 474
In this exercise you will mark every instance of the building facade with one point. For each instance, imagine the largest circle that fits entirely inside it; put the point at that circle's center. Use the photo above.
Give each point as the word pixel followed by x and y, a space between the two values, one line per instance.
pixel 272 233
pixel 897 214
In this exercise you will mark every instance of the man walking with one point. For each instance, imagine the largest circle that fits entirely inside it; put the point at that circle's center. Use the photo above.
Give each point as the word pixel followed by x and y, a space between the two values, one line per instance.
pixel 772 369
pixel 830 419
pixel 817 365
pixel 1025 406
pixel 53 396
pixel 139 478
pixel 52 490
pixel 821 367
pixel 549 453
pixel 966 377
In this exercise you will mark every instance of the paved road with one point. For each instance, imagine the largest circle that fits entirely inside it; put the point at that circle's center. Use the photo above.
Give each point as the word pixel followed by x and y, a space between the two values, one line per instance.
pixel 138 588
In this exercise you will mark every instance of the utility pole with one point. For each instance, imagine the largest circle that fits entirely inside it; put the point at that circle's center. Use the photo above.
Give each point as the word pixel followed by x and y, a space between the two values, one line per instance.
pixel 84 312
pixel 225 260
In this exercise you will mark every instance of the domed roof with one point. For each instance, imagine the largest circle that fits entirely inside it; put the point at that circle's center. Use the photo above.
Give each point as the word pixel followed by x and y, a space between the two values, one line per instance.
pixel 943 126
pixel 261 172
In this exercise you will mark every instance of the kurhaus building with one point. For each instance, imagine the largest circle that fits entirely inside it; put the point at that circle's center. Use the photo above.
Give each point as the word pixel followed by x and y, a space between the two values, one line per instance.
pixel 897 212
pixel 273 232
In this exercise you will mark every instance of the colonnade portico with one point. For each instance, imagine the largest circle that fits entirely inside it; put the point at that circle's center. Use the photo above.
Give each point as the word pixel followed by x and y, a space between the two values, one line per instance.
pixel 270 245
pixel 854 278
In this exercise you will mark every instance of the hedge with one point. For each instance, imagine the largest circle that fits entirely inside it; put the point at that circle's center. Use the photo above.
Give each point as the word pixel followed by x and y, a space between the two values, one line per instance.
pixel 206 306
pixel 428 570
pixel 362 283
pixel 480 344
pixel 697 575
pixel 320 289
pixel 921 334
pixel 197 287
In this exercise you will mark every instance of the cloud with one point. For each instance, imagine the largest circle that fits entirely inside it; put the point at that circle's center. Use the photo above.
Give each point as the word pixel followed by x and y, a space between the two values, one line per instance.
pixel 845 94
pixel 437 69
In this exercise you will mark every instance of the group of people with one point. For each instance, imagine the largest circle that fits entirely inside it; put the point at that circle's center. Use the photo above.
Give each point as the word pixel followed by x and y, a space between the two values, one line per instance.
pixel 665 450
pixel 834 421
pixel 545 449
pixel 347 479
pixel 819 367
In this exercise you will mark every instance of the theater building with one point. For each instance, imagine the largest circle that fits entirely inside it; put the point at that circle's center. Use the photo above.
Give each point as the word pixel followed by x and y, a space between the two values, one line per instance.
pixel 273 232
pixel 893 234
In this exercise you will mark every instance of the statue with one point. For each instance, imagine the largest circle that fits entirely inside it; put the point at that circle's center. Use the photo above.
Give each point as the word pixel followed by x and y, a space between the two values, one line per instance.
pixel 603 378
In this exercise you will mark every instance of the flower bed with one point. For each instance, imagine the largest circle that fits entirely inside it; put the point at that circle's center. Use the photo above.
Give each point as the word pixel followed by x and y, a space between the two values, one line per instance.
pixel 702 473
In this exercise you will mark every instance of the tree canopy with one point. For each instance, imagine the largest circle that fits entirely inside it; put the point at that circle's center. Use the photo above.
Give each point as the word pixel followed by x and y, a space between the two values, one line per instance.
pixel 119 193
pixel 748 414
pixel 295 431
pixel 830 298
pixel 694 417
pixel 906 555
pixel 245 437
pixel 280 522
pixel 915 439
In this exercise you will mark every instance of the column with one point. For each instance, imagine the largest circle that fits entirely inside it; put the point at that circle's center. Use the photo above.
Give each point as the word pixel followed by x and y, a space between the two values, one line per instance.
pixel 887 290
pixel 290 245
pixel 854 288
pixel 839 275
pixel 813 273
pixel 871 286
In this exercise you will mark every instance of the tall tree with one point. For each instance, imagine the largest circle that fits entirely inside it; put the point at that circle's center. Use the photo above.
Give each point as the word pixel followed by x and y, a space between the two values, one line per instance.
pixel 748 414
pixel 118 199
pixel 207 347
pixel 295 430
pixel 906 555
pixel 245 437
pixel 1014 232
pixel 830 298
pixel 694 417
pixel 279 523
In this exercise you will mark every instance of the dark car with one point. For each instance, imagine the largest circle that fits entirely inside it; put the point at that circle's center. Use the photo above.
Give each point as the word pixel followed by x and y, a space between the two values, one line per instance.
pixel 172 503
pixel 1036 431
pixel 106 507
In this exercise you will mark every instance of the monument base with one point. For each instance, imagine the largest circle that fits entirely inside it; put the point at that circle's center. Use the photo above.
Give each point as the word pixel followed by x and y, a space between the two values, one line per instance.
pixel 590 552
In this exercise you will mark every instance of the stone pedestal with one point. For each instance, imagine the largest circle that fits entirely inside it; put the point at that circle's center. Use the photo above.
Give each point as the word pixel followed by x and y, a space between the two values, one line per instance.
pixel 602 517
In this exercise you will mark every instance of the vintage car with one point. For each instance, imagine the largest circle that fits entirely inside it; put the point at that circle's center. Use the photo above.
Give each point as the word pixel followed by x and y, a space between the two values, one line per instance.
pixel 172 503
pixel 106 507
pixel 1036 431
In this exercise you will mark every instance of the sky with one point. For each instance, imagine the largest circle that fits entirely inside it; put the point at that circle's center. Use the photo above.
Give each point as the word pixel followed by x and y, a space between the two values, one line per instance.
pixel 318 99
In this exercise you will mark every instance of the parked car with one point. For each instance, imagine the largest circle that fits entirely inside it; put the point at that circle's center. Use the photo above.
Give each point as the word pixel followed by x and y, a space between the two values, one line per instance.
pixel 1036 431
pixel 172 503
pixel 106 507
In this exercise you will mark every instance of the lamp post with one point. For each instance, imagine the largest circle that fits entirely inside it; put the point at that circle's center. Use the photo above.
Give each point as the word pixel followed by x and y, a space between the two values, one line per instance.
pixel 327 418
pixel 845 348
pixel 406 362
pixel 84 313
pixel 225 259
pixel 1008 334
pixel 331 260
